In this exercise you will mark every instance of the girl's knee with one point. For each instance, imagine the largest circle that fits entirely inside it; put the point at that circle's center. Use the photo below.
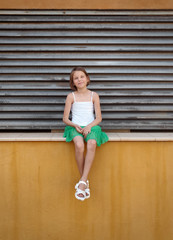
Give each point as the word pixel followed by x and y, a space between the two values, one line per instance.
pixel 79 145
pixel 91 145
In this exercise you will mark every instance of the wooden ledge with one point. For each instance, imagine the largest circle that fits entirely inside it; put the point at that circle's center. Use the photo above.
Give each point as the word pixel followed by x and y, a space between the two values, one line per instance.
pixel 157 136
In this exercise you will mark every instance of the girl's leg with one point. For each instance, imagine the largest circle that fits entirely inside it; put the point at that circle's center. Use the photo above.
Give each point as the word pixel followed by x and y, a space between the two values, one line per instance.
pixel 84 165
pixel 79 155
pixel 91 147
pixel 79 152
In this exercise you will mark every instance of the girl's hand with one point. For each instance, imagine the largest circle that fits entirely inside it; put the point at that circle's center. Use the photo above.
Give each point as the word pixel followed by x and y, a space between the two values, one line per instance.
pixel 86 130
pixel 78 129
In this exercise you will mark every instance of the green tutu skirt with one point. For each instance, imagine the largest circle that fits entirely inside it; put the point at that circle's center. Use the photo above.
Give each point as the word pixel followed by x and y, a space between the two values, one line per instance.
pixel 96 133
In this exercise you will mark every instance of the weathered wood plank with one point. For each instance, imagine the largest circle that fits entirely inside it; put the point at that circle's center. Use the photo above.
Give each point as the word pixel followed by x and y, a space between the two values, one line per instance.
pixel 87 33
pixel 107 116
pixel 87 48
pixel 104 108
pixel 104 100
pixel 84 18
pixel 108 70
pixel 87 63
pixel 83 26
pixel 87 40
pixel 116 124
pixel 105 93
pixel 94 86
pixel 95 77
pixel 132 13
pixel 87 55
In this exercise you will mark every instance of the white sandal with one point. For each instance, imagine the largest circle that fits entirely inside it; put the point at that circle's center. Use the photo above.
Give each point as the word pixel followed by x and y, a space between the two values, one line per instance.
pixel 79 191
pixel 87 190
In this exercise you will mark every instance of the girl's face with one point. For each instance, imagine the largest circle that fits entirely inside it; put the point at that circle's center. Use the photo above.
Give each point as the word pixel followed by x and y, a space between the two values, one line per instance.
pixel 80 80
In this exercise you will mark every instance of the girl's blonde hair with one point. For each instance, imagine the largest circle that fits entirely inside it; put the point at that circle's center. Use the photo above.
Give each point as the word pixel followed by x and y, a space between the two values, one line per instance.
pixel 72 73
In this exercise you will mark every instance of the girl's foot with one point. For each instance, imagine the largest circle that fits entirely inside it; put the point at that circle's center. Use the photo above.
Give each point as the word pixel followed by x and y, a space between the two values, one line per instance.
pixel 80 190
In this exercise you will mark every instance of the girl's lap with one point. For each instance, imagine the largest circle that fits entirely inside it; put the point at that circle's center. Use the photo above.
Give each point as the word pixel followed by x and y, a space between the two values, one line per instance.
pixel 96 134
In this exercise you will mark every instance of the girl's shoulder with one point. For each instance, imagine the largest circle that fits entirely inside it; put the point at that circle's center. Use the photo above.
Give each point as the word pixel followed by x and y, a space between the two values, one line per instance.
pixel 70 97
pixel 95 95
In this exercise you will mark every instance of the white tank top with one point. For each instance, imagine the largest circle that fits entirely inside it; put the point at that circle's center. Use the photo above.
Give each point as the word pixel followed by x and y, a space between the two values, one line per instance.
pixel 82 112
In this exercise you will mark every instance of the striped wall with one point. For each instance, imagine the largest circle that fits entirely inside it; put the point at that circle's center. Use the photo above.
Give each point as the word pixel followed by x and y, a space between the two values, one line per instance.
pixel 128 54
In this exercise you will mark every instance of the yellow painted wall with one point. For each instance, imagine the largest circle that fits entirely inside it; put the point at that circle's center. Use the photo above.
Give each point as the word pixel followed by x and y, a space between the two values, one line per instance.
pixel 86 4
pixel 131 192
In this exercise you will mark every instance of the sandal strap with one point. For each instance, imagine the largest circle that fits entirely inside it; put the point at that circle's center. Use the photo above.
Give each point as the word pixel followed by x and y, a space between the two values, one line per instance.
pixel 79 191
pixel 87 190
pixel 80 182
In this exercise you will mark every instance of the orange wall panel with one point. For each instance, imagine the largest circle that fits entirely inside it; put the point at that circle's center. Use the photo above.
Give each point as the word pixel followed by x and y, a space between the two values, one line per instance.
pixel 83 4
pixel 131 192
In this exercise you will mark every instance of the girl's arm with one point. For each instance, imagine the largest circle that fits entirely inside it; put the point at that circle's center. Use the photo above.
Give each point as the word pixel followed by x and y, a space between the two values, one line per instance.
pixel 98 115
pixel 66 120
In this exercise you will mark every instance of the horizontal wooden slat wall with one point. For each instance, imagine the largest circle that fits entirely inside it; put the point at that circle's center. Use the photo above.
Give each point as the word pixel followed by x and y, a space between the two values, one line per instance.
pixel 128 54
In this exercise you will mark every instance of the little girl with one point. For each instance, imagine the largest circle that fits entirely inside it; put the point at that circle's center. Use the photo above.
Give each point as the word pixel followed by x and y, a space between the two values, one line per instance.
pixel 83 126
